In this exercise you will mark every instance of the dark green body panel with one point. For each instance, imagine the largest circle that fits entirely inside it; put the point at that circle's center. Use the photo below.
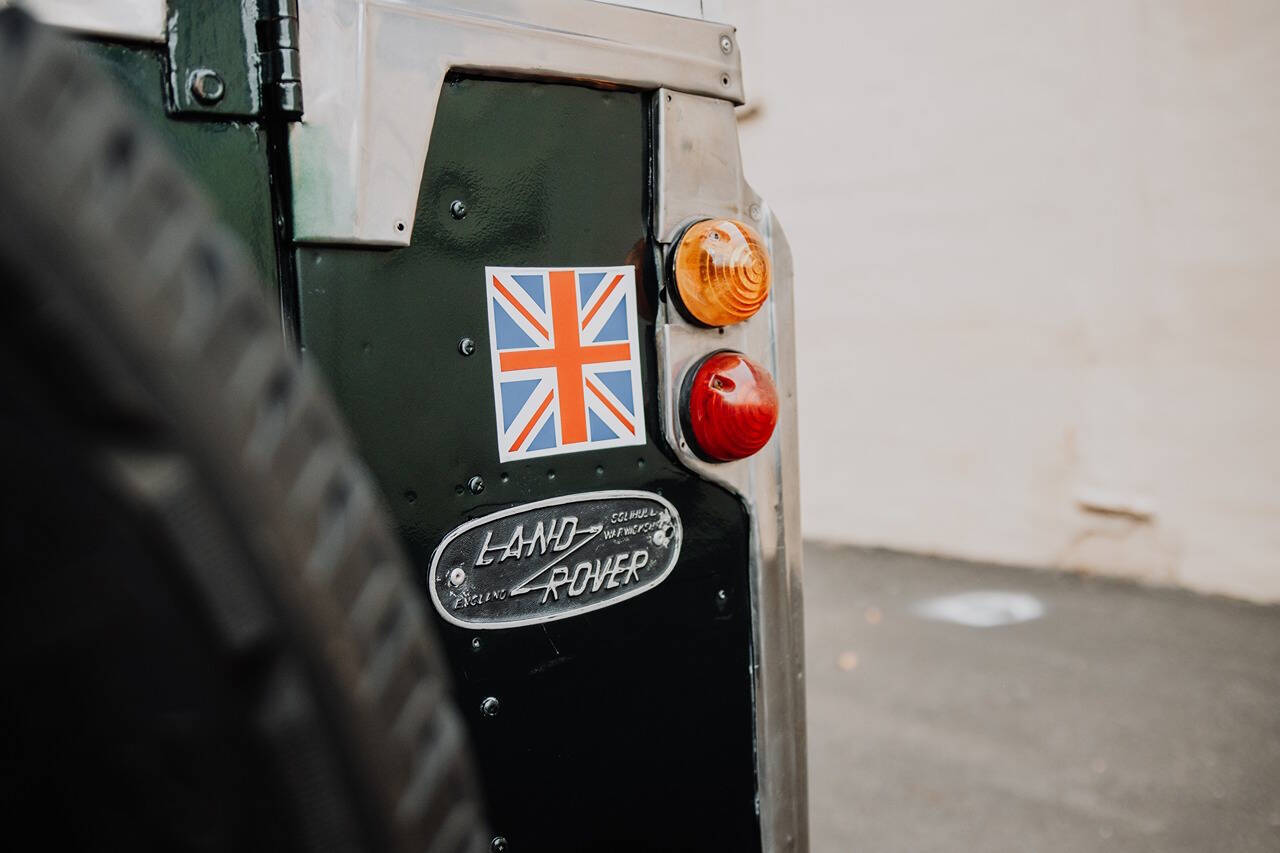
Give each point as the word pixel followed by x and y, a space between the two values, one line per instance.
pixel 217 35
pixel 228 158
pixel 628 728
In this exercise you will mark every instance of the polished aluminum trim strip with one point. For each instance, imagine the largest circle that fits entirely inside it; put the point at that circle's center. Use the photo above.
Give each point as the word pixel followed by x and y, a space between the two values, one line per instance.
pixel 372 88
pixel 699 165
pixel 683 8
pixel 700 176
pixel 134 20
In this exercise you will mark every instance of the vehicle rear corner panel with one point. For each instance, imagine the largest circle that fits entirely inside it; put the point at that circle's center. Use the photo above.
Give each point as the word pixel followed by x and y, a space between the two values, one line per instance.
pixel 630 727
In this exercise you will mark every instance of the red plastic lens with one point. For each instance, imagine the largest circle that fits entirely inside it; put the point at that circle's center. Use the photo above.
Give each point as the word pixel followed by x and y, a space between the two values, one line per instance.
pixel 731 407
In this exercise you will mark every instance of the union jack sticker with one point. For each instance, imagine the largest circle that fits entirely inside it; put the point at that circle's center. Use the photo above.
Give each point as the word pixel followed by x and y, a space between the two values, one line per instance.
pixel 566 359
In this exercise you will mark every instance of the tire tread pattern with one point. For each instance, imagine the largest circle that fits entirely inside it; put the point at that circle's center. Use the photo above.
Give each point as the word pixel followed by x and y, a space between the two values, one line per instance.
pixel 167 296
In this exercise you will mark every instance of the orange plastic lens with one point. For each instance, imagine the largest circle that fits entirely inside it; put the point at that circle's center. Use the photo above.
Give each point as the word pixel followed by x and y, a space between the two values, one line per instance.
pixel 723 271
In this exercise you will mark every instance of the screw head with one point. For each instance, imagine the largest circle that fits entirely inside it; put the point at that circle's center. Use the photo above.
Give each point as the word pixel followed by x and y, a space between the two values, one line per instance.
pixel 755 212
pixel 489 707
pixel 498 844
pixel 207 86
pixel 726 44
pixel 476 485
pixel 475 644
pixel 457 577
pixel 466 346
pixel 458 210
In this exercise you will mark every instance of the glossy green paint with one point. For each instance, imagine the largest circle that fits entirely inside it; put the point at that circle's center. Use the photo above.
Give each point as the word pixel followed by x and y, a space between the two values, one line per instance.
pixel 218 35
pixel 228 158
pixel 386 323
pixel 627 728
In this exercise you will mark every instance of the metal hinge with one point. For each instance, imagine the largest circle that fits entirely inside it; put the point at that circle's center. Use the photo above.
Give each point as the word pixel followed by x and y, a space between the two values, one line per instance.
pixel 278 52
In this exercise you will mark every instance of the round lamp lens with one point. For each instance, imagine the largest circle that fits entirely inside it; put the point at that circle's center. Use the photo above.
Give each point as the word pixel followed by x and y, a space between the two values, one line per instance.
pixel 722 271
pixel 731 407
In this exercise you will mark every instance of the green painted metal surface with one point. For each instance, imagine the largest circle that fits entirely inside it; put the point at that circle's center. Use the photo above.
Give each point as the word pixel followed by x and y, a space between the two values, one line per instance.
pixel 228 158
pixel 218 36
pixel 611 718
pixel 386 323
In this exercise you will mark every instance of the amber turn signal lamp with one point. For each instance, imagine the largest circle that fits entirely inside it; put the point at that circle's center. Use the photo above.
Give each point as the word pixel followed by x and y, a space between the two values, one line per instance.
pixel 722 271
pixel 731 407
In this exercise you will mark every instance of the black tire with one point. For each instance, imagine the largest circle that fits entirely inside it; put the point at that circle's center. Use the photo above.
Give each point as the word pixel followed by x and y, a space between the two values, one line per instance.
pixel 209 635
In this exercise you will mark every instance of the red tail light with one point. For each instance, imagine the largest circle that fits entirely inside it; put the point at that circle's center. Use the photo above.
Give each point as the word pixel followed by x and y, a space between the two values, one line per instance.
pixel 731 406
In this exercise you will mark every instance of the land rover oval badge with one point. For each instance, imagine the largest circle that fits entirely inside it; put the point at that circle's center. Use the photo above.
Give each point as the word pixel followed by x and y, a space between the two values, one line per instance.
pixel 554 559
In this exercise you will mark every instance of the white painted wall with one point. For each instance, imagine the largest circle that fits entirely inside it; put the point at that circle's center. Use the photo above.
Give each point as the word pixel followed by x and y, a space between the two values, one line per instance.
pixel 1038 262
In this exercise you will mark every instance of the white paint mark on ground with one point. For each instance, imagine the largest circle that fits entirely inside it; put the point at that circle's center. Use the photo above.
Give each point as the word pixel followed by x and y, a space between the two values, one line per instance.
pixel 982 608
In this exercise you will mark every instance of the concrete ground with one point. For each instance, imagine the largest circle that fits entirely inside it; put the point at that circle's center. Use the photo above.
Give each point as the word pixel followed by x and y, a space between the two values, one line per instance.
pixel 1114 717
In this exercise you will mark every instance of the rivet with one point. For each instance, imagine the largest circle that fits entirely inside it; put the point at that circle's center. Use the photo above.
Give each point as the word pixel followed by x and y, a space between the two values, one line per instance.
pixel 475 644
pixel 476 485
pixel 458 210
pixel 466 346
pixel 726 44
pixel 489 707
pixel 498 844
pixel 457 577
pixel 207 86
